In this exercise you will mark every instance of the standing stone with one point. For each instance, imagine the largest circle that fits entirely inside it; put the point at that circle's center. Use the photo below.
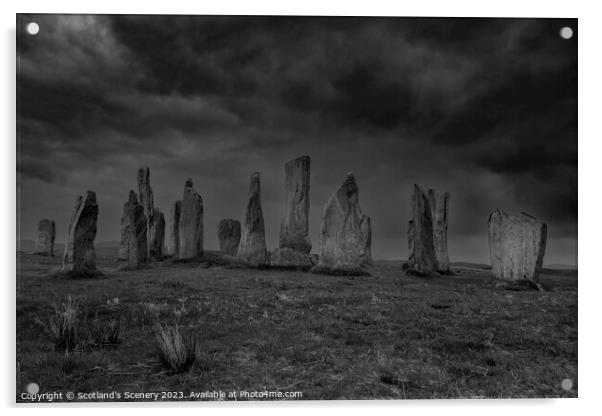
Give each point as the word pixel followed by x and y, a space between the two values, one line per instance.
pixel 342 240
pixel 422 259
pixel 439 204
pixel 366 229
pixel 252 248
pixel 145 192
pixel 145 196
pixel 294 244
pixel 46 235
pixel 190 227
pixel 133 227
pixel 228 234
pixel 156 235
pixel 295 225
pixel 123 237
pixel 172 234
pixel 80 256
pixel 517 244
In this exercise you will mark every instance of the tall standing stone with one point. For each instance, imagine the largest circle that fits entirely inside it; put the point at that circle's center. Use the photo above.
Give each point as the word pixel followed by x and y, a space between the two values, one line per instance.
pixel 46 235
pixel 80 256
pixel 439 204
pixel 123 238
pixel 252 246
pixel 145 192
pixel 366 229
pixel 295 245
pixel 172 234
pixel 155 218
pixel 228 234
pixel 421 259
pixel 190 227
pixel 342 241
pixel 517 244
pixel 156 235
pixel 295 225
pixel 134 232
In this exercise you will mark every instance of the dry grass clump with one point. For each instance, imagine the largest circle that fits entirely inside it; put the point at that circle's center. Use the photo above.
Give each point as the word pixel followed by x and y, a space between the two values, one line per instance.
pixel 61 325
pixel 68 333
pixel 106 334
pixel 176 353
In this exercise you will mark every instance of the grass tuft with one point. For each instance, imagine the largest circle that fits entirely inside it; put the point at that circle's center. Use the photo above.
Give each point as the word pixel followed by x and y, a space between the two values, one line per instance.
pixel 61 325
pixel 106 334
pixel 176 354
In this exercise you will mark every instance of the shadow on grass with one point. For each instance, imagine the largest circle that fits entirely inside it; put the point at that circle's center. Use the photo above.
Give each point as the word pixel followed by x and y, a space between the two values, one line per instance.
pixel 78 274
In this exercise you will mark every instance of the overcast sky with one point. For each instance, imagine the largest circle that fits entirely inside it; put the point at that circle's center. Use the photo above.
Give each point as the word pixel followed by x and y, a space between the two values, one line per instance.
pixel 483 108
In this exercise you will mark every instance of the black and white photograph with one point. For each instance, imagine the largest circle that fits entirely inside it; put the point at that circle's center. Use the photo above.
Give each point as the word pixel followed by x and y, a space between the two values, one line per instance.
pixel 295 208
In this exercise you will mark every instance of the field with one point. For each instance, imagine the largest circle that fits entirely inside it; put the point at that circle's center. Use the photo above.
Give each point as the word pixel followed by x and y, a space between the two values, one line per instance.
pixel 384 336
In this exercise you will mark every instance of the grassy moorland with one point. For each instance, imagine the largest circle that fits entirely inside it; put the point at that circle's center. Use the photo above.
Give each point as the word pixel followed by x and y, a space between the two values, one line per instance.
pixel 386 336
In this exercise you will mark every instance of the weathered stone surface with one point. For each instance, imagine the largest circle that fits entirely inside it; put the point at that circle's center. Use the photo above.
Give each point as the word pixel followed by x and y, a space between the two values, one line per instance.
pixel 125 229
pixel 342 240
pixel 155 219
pixel 156 235
pixel 295 225
pixel 439 204
pixel 228 234
pixel 145 192
pixel 134 246
pixel 123 239
pixel 46 235
pixel 80 256
pixel 190 227
pixel 252 248
pixel 290 259
pixel 421 259
pixel 172 233
pixel 366 229
pixel 517 244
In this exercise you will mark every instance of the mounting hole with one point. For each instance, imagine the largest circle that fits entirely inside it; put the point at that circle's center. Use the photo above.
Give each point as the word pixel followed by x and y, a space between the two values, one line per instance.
pixel 33 28
pixel 566 32
pixel 33 388
pixel 567 384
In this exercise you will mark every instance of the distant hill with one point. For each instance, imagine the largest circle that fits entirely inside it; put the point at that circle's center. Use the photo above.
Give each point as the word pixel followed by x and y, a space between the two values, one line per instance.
pixel 29 245
pixel 559 267
pixel 25 245
pixel 471 265
pixel 107 244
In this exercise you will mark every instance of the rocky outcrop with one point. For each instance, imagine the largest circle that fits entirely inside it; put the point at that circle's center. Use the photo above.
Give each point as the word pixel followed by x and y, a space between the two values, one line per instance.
pixel 252 248
pixel 517 244
pixel 134 232
pixel 156 235
pixel 228 234
pixel 190 227
pixel 439 204
pixel 342 240
pixel 172 227
pixel 80 256
pixel 46 236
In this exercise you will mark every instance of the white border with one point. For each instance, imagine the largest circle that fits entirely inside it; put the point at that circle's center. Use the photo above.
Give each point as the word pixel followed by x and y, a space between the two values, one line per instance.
pixel 590 202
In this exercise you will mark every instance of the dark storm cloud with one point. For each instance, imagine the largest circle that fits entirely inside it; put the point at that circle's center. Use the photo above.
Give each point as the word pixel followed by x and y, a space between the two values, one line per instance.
pixel 483 107
pixel 37 170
